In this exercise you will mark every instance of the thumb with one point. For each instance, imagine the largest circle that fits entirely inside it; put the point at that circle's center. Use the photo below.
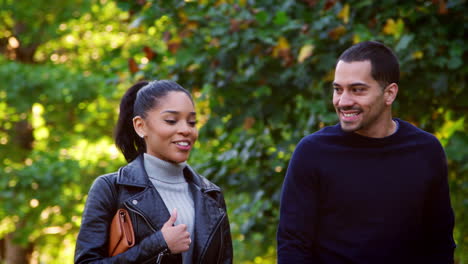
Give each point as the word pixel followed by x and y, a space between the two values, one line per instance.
pixel 173 217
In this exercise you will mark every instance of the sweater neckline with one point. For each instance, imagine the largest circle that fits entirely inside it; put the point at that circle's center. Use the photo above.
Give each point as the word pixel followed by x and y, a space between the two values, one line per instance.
pixel 164 171
pixel 370 141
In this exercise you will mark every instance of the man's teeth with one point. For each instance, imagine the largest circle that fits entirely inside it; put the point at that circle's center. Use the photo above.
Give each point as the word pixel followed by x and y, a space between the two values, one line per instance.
pixel 182 143
pixel 350 115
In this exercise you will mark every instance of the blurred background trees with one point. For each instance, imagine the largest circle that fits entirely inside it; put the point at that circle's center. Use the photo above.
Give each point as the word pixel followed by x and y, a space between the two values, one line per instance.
pixel 260 72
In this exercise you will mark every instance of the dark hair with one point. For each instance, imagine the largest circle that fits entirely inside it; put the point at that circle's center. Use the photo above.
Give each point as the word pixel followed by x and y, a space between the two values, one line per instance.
pixel 137 101
pixel 385 68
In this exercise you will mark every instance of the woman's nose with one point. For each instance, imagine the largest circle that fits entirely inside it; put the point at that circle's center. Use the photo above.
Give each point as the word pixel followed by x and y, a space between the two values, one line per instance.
pixel 184 128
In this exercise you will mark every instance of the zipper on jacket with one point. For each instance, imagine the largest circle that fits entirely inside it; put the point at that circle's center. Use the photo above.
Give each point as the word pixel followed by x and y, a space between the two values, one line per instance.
pixel 162 253
pixel 211 236
pixel 221 246
pixel 144 218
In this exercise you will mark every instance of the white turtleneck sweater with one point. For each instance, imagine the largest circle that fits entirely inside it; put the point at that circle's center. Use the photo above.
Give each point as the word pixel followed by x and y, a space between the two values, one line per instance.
pixel 169 181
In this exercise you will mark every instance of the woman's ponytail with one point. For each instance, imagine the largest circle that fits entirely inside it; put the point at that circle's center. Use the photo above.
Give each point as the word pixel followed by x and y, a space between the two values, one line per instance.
pixel 126 138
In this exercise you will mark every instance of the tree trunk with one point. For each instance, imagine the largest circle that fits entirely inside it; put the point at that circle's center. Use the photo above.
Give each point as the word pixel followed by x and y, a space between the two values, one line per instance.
pixel 16 254
pixel 11 252
pixel 22 137
pixel 2 249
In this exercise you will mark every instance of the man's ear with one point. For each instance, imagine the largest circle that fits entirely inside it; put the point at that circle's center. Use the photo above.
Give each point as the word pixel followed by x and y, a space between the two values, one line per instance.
pixel 139 126
pixel 390 93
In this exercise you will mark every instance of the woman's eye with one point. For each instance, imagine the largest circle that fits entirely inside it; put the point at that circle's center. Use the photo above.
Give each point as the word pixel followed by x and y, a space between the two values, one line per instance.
pixel 171 122
pixel 192 123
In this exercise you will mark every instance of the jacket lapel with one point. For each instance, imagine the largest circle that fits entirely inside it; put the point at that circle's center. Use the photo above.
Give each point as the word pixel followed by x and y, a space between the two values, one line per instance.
pixel 148 203
pixel 207 217
pixel 150 206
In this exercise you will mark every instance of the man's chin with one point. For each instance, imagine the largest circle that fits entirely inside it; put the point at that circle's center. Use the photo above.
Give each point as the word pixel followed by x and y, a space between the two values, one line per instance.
pixel 347 127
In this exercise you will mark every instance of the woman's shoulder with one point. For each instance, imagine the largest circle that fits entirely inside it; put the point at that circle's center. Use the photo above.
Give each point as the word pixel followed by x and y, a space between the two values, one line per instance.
pixel 105 181
pixel 201 181
pixel 108 177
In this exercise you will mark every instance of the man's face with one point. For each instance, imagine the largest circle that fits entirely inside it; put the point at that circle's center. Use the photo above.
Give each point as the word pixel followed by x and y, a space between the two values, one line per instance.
pixel 359 100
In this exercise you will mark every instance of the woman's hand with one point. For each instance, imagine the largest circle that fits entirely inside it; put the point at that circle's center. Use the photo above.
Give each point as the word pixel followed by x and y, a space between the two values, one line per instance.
pixel 177 238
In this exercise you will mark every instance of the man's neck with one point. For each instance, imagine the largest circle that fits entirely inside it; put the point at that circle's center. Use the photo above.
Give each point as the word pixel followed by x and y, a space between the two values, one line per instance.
pixel 386 129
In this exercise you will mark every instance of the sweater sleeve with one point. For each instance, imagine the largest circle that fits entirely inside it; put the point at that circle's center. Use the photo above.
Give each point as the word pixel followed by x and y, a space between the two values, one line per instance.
pixel 438 216
pixel 299 208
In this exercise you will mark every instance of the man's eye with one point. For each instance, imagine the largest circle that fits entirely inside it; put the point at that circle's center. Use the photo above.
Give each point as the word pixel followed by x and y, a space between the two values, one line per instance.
pixel 358 90
pixel 336 89
pixel 171 122
pixel 192 123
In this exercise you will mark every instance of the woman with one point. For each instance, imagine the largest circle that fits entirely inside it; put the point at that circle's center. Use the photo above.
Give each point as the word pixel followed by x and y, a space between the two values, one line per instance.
pixel 156 131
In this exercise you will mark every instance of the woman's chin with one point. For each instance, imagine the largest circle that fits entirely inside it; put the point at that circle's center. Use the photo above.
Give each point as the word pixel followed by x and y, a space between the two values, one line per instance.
pixel 178 159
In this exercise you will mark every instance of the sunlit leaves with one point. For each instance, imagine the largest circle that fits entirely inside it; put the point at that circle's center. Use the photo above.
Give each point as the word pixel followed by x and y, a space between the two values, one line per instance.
pixel 450 127
pixel 394 28
pixel 344 13
pixel 43 189
pixel 260 72
pixel 305 52
pixel 282 50
pixel 268 66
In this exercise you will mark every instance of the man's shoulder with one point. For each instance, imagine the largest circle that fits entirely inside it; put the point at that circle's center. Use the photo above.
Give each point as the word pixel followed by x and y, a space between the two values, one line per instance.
pixel 424 141
pixel 324 133
pixel 417 133
pixel 319 140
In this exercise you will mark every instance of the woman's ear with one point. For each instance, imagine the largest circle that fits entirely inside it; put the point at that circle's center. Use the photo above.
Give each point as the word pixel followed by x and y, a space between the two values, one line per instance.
pixel 139 126
pixel 390 93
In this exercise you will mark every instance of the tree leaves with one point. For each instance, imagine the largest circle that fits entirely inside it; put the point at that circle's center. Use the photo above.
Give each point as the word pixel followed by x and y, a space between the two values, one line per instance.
pixel 260 72
pixel 305 52
pixel 261 56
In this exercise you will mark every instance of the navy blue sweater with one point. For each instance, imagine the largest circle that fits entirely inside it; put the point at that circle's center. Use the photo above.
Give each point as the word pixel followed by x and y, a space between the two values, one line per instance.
pixel 353 199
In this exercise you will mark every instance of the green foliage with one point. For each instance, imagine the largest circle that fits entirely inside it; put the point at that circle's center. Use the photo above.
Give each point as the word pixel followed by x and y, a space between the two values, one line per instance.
pixel 43 189
pixel 35 24
pixel 265 69
pixel 260 72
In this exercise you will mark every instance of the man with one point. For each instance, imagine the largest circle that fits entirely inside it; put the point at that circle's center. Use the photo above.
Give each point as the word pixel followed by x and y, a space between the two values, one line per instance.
pixel 371 189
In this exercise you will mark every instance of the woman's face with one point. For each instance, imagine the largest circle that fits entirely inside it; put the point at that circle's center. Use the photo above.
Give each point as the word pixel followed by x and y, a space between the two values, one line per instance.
pixel 169 129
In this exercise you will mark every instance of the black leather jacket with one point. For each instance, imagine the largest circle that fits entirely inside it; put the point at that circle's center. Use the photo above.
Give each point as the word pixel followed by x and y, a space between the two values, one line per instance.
pixel 131 188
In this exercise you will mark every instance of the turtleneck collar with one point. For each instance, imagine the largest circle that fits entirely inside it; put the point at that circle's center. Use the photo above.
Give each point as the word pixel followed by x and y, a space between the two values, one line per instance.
pixel 164 171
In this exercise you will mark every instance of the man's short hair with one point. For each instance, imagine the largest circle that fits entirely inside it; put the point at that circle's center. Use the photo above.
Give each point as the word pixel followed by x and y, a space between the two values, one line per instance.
pixel 385 68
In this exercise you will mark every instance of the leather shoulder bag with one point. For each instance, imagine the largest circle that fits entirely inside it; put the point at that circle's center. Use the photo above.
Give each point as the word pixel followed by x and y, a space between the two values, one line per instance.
pixel 121 236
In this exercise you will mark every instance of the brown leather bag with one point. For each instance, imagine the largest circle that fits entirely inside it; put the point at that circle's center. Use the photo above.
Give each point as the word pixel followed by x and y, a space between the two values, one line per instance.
pixel 121 236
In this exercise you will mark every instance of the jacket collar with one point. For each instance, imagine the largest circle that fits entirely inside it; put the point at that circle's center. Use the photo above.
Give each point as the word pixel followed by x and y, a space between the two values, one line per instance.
pixel 134 174
pixel 208 216
pixel 208 213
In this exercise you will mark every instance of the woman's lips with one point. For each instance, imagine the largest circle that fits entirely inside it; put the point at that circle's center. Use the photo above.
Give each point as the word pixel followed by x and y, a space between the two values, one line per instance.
pixel 183 145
